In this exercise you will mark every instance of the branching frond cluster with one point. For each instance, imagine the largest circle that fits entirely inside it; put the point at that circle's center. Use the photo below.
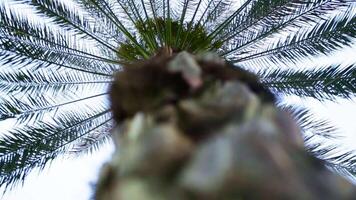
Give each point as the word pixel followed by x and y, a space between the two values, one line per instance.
pixel 29 146
pixel 316 132
pixel 57 63
pixel 322 83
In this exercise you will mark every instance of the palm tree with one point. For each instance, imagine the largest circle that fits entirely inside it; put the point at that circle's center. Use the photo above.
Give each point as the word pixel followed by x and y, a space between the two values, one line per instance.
pixel 58 63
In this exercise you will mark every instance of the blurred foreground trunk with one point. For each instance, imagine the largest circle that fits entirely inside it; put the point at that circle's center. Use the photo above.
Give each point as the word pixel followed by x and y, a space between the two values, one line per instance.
pixel 194 128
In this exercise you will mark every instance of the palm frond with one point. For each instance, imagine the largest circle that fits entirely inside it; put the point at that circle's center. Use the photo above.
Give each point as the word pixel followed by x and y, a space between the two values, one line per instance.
pixel 293 16
pixel 103 26
pixel 152 7
pixel 17 51
pixel 54 83
pixel 13 25
pixel 309 124
pixel 322 39
pixel 319 137
pixel 34 146
pixel 185 7
pixel 68 18
pixel 321 83
pixel 347 172
pixel 30 108
pixel 109 12
pixel 336 159
pixel 256 15
pixel 22 53
pixel 40 42
pixel 134 10
pixel 226 22
pixel 214 11
pixel 94 141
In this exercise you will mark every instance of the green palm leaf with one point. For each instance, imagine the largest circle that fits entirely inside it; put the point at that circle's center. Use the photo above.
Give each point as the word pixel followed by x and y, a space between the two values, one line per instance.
pixel 94 140
pixel 323 38
pixel 290 16
pixel 310 125
pixel 316 132
pixel 321 83
pixel 49 82
pixel 34 108
pixel 67 18
pixel 34 146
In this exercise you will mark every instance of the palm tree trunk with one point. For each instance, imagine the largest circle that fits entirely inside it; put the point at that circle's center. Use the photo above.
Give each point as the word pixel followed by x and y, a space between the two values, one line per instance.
pixel 192 127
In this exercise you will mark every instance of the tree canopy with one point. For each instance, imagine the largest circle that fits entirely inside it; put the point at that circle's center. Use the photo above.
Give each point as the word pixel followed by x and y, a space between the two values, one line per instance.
pixel 57 63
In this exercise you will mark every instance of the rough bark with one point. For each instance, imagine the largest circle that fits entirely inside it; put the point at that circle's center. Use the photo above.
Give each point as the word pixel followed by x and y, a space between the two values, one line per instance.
pixel 192 127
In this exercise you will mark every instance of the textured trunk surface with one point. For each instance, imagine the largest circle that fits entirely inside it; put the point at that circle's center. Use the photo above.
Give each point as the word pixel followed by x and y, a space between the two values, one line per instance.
pixel 194 128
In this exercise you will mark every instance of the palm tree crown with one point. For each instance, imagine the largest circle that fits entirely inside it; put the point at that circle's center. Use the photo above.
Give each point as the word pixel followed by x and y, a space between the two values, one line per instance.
pixel 55 72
